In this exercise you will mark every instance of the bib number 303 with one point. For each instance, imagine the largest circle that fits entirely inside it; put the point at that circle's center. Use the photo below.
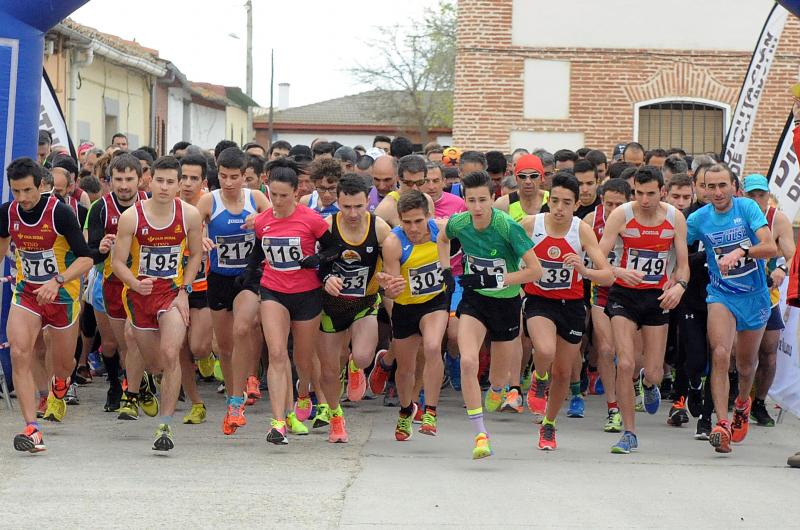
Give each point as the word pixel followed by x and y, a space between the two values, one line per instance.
pixel 426 279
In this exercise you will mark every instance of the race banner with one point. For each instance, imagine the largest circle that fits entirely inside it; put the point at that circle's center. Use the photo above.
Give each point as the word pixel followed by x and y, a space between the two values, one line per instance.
pixel 785 389
pixel 784 173
pixel 744 115
pixel 51 117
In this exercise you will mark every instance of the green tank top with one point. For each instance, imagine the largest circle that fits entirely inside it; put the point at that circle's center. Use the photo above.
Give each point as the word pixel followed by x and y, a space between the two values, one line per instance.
pixel 515 206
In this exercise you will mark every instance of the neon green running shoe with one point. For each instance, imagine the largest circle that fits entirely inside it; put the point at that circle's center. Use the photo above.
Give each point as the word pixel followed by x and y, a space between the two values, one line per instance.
pixel 197 415
pixel 218 371
pixel 163 438
pixel 482 448
pixel 323 417
pixel 206 365
pixel 493 400
pixel 404 428
pixel 614 421
pixel 428 424
pixel 295 426
pixel 129 410
pixel 526 380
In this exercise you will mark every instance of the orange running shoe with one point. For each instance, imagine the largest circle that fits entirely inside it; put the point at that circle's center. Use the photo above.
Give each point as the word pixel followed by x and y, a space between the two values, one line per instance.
pixel 59 387
pixel 29 440
pixel 356 381
pixel 513 402
pixel 720 437
pixel 741 420
pixel 252 388
pixel 547 437
pixel 234 418
pixel 537 395
pixel 378 376
pixel 42 407
pixel 337 433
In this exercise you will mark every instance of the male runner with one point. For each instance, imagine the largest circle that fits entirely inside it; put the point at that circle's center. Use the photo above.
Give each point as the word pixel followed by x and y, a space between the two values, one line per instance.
pixel 645 290
pixel 413 278
pixel 350 300
pixel 325 174
pixel 737 239
pixel 493 245
pixel 233 304
pixel 154 234
pixel 613 194
pixel 554 310
pixel 529 199
pixel 412 172
pixel 198 340
pixel 51 256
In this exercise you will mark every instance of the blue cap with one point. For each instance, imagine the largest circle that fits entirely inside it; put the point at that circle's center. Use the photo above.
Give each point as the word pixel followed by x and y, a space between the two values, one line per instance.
pixel 755 182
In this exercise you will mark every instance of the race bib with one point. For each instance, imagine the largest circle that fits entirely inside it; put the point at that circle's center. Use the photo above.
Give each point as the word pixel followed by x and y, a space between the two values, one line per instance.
pixel 354 281
pixel 426 279
pixel 159 262
pixel 38 266
pixel 283 253
pixel 743 266
pixel 555 275
pixel 201 272
pixel 232 251
pixel 651 262
pixel 487 266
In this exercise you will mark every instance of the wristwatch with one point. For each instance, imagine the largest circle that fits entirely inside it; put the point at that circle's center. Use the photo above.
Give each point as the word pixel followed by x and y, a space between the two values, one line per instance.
pixel 187 288
pixel 60 279
pixel 745 246
pixel 683 284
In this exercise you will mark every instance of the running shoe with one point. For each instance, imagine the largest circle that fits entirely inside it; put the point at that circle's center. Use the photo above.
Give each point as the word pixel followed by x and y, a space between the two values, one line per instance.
pixel 295 426
pixel 577 407
pixel 356 381
pixel 96 364
pixel 206 366
pixel 594 377
pixel 337 433
pixel 218 375
pixel 547 437
pixel 537 395
pixel 163 438
pixel 720 437
pixel 56 408
pixel 482 448
pixel 113 398
pixel 694 401
pixel 525 384
pixel 233 419
pixel 703 429
pixel 323 417
pixel 677 413
pixel 72 395
pixel 29 440
pixel 794 460
pixel 378 376
pixel 599 389
pixel 221 388
pixel 513 402
pixel 83 375
pixel 403 430
pixel 651 396
pixel 741 421
pixel 277 434
pixel 42 407
pixel 666 386
pixel 428 424
pixel 627 443
pixel 251 388
pixel 492 400
pixel 759 413
pixel 452 366
pixel 638 396
pixel 420 411
pixel 196 415
pixel 302 408
pixel 613 422
pixel 59 387
pixel 390 398
pixel 147 398
pixel 129 410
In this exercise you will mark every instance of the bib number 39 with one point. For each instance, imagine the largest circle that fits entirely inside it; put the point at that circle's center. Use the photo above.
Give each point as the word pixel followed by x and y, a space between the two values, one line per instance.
pixel 555 275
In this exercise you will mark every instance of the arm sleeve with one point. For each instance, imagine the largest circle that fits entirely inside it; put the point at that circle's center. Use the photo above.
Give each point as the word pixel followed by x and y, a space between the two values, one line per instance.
pixel 4 221
pixel 96 228
pixel 67 225
pixel 83 214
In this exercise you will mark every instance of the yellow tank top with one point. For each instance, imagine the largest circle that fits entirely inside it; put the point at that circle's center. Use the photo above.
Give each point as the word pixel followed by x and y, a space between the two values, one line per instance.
pixel 419 265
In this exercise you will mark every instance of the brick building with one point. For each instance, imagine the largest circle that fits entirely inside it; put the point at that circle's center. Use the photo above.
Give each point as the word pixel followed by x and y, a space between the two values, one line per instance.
pixel 579 72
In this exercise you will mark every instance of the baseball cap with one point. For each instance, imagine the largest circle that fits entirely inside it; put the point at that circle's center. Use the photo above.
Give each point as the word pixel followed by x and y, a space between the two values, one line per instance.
pixel 529 162
pixel 618 150
pixel 451 156
pixel 755 182
pixel 347 154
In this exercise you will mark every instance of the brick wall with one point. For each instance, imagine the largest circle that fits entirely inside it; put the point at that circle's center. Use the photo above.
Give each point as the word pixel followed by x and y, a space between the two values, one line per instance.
pixel 604 85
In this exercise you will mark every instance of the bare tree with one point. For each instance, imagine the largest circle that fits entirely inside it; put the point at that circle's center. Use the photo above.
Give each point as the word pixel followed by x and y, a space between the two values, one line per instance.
pixel 414 70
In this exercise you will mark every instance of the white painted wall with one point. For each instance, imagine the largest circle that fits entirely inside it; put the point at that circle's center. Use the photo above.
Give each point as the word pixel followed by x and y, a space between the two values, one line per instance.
pixel 208 126
pixel 552 141
pixel 350 140
pixel 546 94
pixel 175 115
pixel 651 24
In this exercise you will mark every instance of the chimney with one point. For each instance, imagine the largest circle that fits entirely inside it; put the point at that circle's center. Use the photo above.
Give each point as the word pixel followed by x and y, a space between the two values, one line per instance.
pixel 283 96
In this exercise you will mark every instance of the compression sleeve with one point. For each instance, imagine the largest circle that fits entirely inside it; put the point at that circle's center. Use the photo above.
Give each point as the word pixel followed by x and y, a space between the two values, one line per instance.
pixel 96 226
pixel 66 224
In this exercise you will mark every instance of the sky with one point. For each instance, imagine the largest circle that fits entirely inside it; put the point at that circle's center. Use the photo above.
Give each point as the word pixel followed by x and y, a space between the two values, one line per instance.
pixel 315 42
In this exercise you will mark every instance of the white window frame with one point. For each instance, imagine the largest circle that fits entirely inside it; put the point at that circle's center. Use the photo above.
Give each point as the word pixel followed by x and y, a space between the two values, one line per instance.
pixel 726 112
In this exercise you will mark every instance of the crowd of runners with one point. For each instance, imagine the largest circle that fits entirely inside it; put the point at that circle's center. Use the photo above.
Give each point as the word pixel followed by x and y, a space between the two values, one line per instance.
pixel 324 273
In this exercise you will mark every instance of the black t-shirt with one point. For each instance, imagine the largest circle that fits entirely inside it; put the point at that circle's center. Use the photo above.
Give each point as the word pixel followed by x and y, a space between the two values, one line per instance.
pixel 695 296
pixel 64 219
pixel 583 211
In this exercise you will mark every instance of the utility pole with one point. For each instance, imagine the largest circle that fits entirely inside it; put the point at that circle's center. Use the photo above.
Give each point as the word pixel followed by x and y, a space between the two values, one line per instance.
pixel 271 89
pixel 249 7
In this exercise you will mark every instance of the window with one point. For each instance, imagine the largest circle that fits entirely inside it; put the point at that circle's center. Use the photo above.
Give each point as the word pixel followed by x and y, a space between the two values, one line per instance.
pixel 693 126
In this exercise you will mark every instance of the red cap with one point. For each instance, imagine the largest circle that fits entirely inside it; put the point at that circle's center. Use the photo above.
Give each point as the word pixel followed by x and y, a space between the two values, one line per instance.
pixel 528 162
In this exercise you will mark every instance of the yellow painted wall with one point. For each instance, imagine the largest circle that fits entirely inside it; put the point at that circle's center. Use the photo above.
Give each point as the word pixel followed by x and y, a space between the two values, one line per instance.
pixel 236 121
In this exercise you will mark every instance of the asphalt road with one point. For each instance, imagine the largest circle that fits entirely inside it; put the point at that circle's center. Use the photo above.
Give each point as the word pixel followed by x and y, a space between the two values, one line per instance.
pixel 101 473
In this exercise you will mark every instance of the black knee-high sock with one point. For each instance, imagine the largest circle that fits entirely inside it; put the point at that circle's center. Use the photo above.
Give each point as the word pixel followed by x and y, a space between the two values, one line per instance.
pixel 112 367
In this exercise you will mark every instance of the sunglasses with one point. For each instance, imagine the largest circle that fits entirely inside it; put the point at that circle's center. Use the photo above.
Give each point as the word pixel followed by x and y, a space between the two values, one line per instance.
pixel 526 176
pixel 415 183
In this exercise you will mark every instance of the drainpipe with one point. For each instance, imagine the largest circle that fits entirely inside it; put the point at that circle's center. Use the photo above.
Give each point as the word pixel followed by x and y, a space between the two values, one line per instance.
pixel 72 101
